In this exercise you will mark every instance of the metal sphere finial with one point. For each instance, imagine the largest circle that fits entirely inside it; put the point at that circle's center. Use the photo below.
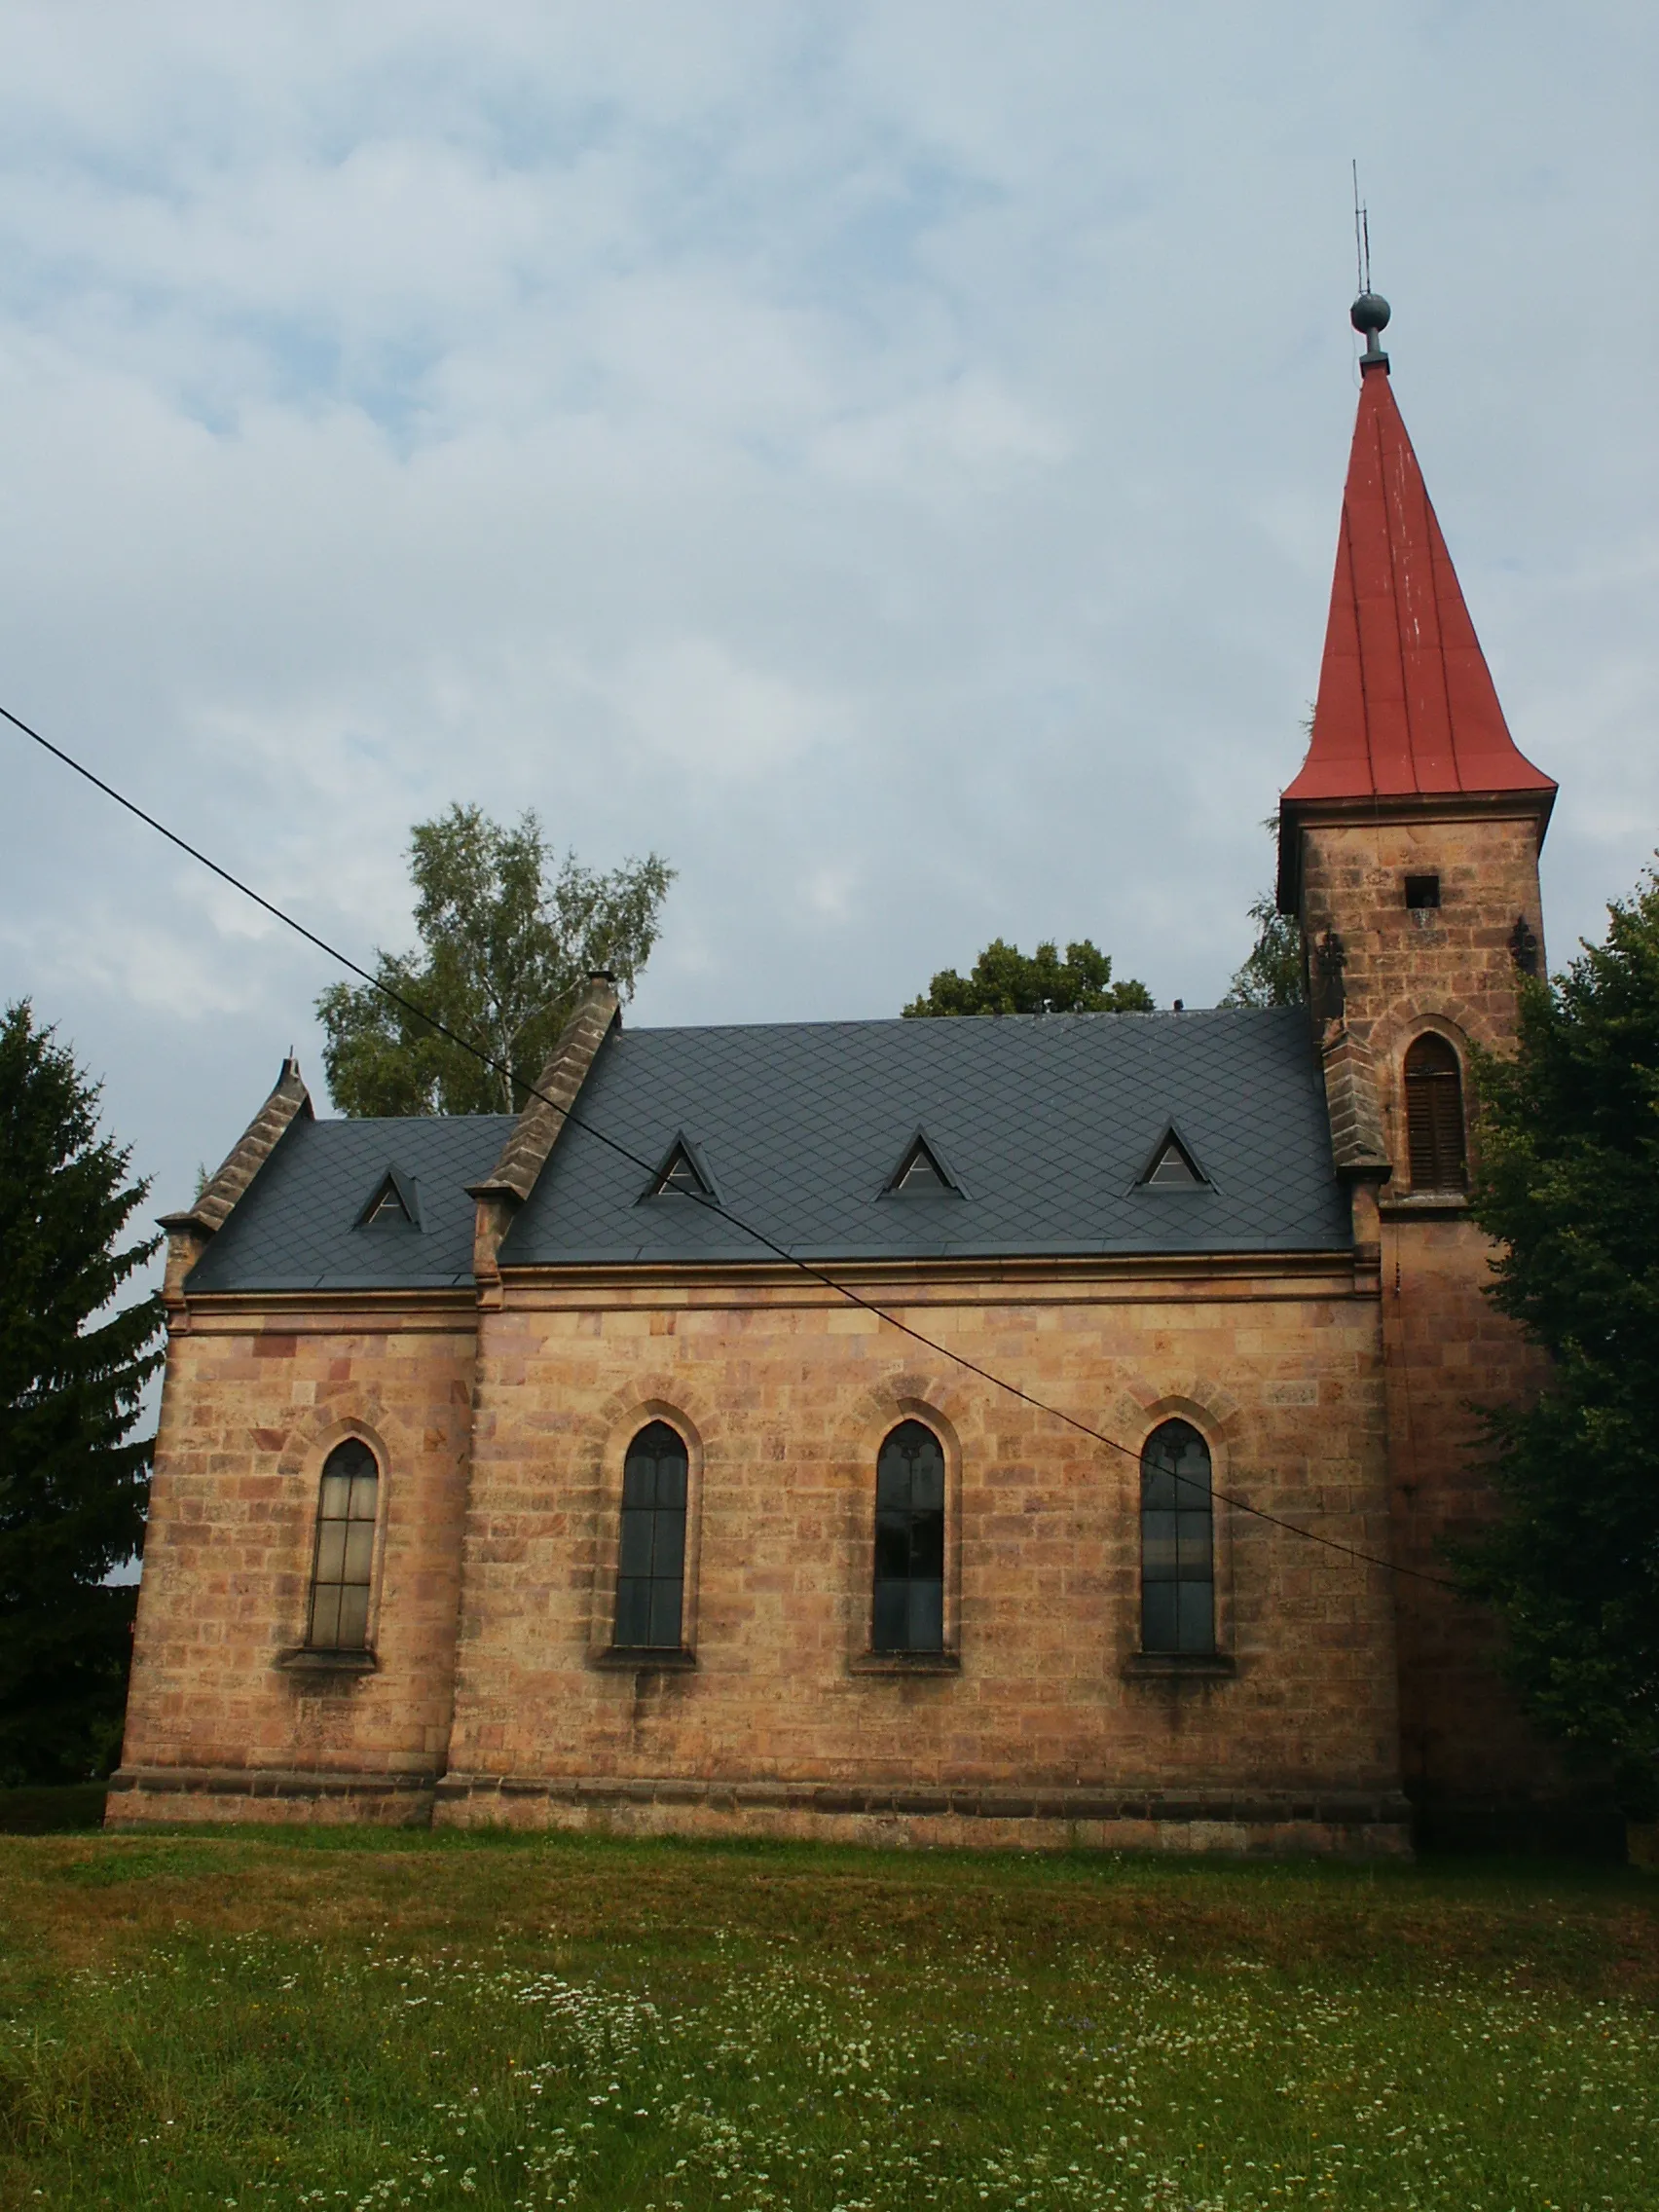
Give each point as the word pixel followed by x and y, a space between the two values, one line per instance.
pixel 1370 312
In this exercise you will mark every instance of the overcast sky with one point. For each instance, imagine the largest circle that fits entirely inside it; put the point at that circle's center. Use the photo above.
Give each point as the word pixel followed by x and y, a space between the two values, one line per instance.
pixel 884 458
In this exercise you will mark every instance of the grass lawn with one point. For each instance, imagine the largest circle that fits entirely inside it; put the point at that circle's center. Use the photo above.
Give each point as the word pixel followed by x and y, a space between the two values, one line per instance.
pixel 270 2018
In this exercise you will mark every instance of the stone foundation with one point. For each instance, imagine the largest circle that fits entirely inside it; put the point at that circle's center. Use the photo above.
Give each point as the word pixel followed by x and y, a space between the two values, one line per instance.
pixel 140 1797
pixel 1337 1826
pixel 972 1819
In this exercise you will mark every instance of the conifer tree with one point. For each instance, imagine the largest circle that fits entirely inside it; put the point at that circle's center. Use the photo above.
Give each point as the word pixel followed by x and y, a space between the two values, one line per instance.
pixel 73 1483
pixel 1569 1182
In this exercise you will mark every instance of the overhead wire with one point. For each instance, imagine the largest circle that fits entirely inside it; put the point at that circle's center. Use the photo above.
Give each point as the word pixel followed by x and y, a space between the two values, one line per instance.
pixel 569 1115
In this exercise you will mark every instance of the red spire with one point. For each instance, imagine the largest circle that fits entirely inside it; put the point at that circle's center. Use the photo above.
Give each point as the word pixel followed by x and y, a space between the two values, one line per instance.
pixel 1406 701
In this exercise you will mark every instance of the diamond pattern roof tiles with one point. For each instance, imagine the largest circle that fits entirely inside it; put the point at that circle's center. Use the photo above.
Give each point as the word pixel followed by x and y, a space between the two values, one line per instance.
pixel 1046 1122
pixel 296 1229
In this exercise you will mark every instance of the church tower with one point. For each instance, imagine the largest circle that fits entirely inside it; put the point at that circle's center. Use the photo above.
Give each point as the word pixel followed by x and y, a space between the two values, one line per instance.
pixel 1409 849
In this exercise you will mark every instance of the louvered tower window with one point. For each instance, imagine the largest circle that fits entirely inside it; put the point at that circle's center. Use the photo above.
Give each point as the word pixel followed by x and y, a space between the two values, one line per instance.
pixel 650 1563
pixel 1177 1542
pixel 342 1568
pixel 1434 1116
pixel 908 1611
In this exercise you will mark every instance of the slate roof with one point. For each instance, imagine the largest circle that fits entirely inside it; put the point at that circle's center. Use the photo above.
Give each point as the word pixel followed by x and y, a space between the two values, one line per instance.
pixel 297 1226
pixel 1045 1123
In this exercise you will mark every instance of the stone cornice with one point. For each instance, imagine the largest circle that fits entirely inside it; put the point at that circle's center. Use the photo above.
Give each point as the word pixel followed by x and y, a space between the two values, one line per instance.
pixel 934 1281
pixel 313 1313
pixel 537 1129
pixel 188 1230
pixel 257 1142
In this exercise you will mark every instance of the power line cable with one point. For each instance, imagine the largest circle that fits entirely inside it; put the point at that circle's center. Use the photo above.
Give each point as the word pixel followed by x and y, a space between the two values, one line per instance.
pixel 790 1258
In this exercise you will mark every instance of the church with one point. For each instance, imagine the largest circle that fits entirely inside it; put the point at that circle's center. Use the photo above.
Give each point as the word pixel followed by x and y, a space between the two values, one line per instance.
pixel 1012 1431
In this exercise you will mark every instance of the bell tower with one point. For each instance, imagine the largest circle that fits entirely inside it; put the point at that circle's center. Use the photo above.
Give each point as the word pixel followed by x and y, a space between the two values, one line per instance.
pixel 1409 848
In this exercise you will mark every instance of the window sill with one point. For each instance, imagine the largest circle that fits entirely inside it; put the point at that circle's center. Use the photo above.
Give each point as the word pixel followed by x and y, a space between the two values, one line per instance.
pixel 905 1662
pixel 1176 1665
pixel 307 1662
pixel 641 1659
pixel 1424 1201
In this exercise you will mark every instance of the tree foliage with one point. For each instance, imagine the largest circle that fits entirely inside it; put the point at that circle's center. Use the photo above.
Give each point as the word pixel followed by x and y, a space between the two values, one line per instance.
pixel 1006 981
pixel 1569 1182
pixel 73 1485
pixel 507 941
pixel 1274 973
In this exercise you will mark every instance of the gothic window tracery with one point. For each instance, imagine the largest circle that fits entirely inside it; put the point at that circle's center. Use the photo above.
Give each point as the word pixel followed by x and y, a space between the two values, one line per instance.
pixel 1177 1542
pixel 343 1562
pixel 908 1609
pixel 651 1560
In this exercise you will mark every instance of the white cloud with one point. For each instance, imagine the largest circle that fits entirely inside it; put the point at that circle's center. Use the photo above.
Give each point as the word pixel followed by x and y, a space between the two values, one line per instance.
pixel 885 458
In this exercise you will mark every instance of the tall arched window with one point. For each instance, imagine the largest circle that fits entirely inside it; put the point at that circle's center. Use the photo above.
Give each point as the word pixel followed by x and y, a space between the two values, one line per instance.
pixel 343 1566
pixel 650 1561
pixel 908 1612
pixel 1434 1116
pixel 1177 1542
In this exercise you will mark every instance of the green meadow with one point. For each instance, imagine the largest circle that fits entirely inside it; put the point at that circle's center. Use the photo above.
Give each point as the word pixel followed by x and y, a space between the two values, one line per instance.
pixel 282 2018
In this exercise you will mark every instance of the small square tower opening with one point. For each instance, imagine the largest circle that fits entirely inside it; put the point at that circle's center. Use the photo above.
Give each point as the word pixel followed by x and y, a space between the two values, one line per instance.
pixel 1423 891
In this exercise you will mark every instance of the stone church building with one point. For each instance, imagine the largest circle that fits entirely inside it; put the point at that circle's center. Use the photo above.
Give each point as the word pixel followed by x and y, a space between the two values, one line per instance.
pixel 649 1462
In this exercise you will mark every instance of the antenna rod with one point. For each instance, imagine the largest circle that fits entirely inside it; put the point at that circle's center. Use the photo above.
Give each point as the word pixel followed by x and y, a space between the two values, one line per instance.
pixel 1369 314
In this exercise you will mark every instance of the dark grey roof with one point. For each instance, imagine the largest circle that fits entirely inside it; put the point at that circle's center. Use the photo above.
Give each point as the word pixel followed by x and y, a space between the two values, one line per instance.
pixel 297 1226
pixel 1046 1122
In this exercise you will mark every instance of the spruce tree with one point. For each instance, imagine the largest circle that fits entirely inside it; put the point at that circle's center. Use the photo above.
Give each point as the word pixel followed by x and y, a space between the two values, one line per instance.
pixel 73 1483
pixel 1569 1183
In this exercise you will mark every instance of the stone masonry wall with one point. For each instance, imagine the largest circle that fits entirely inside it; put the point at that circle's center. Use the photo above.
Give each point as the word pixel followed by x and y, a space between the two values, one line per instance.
pixel 784 1395
pixel 1409 969
pixel 218 1726
pixel 1469 1759
pixel 1467 1756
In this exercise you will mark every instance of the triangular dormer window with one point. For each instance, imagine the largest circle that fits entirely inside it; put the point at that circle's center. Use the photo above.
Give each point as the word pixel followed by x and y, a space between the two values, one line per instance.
pixel 1173 1167
pixel 394 1202
pixel 682 1175
pixel 921 1173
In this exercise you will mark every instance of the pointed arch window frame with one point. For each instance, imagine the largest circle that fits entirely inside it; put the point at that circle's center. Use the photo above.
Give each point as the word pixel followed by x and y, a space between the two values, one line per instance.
pixel 1171 1554
pixel 653 1546
pixel 680 1147
pixel 919 1141
pixel 864 1655
pixel 332 1568
pixel 603 1652
pixel 1441 1121
pixel 1174 1135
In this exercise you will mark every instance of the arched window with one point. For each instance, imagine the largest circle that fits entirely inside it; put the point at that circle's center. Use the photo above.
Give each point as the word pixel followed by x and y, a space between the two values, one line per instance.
pixel 650 1561
pixel 1177 1542
pixel 909 1613
pixel 1434 1116
pixel 343 1564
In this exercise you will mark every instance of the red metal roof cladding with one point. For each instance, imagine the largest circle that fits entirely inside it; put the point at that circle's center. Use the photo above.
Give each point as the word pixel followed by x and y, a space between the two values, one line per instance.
pixel 1406 701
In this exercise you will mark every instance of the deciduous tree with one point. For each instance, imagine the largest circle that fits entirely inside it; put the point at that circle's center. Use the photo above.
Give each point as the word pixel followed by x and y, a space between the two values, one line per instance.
pixel 1569 1183
pixel 1006 981
pixel 1273 972
pixel 508 939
